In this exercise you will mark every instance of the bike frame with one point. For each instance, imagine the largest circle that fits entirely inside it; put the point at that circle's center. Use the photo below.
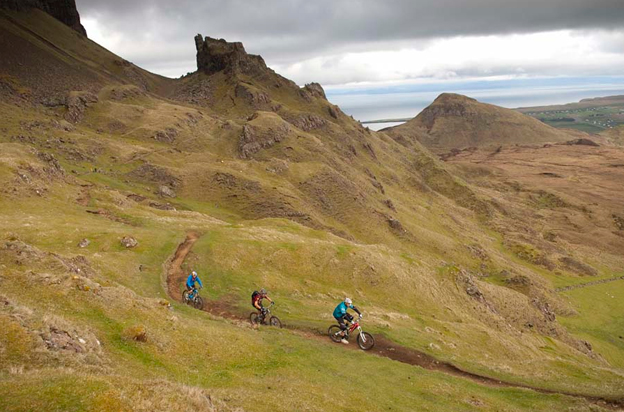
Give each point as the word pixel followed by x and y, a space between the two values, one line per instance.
pixel 267 314
pixel 355 325
pixel 195 293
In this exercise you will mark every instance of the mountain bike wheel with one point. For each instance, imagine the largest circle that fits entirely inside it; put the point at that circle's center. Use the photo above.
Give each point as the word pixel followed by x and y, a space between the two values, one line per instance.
pixel 274 321
pixel 334 333
pixel 185 298
pixel 198 303
pixel 365 341
pixel 254 318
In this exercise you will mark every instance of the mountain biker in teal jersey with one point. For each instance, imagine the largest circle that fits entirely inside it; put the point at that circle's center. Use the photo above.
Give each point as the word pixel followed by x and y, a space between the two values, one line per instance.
pixel 190 283
pixel 340 313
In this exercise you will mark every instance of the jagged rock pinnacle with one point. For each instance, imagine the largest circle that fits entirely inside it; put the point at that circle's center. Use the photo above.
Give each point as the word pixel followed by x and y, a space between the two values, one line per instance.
pixel 215 55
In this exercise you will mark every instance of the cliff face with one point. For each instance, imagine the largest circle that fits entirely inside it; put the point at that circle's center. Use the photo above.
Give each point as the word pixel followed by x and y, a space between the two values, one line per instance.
pixel 62 10
pixel 215 55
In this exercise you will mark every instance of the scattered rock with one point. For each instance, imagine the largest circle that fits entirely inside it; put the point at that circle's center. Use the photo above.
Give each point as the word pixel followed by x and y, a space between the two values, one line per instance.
pixel 578 267
pixel 162 206
pixel 544 307
pixel 129 242
pixel 334 111
pixel 253 96
pixel 581 142
pixel 58 339
pixel 390 205
pixel 155 174
pixel 261 132
pixel 619 221
pixel 84 243
pixel 396 225
pixel 125 92
pixel 76 104
pixel 166 191
pixel 54 168
pixel 309 122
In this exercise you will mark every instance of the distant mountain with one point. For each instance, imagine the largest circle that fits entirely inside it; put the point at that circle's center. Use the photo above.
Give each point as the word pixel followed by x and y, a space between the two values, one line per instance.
pixel 454 121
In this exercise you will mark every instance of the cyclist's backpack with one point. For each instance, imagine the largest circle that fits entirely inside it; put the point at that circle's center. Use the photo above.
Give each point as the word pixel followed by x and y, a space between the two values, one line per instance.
pixel 253 296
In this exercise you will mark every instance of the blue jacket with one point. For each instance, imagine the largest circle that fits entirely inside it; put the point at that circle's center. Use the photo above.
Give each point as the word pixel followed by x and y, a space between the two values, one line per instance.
pixel 341 309
pixel 191 284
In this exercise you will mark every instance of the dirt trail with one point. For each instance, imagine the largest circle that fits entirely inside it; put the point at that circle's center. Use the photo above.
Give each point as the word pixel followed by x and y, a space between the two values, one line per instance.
pixel 383 346
pixel 593 283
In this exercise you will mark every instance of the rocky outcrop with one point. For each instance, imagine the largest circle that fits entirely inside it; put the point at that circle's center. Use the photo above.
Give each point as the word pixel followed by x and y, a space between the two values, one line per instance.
pixel 307 122
pixel 76 104
pixel 251 95
pixel 315 90
pixel 62 10
pixel 582 142
pixel 215 55
pixel 262 131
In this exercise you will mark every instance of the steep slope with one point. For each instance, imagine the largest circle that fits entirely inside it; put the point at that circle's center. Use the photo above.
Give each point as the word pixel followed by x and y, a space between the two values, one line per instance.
pixel 615 135
pixel 454 121
pixel 43 61
pixel 286 192
pixel 64 11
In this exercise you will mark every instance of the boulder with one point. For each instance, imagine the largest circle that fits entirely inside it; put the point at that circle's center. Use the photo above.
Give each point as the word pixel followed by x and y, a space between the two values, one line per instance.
pixel 129 242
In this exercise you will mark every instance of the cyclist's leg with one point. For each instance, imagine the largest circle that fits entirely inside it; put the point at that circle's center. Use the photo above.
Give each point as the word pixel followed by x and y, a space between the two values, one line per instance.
pixel 341 323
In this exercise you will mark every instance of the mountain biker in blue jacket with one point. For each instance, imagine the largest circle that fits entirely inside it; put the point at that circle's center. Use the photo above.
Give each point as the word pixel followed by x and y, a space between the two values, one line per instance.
pixel 340 313
pixel 190 283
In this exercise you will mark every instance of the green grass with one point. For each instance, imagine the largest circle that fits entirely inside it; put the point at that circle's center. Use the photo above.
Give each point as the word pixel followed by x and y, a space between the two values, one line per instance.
pixel 599 318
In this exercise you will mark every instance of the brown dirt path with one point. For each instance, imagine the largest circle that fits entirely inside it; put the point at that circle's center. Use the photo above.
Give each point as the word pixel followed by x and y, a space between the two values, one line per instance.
pixel 383 346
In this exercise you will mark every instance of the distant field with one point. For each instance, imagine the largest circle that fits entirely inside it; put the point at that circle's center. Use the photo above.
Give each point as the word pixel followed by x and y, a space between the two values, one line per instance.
pixel 591 115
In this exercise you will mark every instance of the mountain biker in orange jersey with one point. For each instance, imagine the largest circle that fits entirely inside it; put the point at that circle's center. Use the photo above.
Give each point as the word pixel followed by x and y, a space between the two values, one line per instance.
pixel 256 300
pixel 340 313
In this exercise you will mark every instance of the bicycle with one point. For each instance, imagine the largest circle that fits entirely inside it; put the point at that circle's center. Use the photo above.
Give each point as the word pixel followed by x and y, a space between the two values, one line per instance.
pixel 261 319
pixel 196 301
pixel 364 339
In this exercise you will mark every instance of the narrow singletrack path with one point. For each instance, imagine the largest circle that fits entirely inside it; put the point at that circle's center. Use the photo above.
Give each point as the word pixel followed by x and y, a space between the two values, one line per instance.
pixel 587 284
pixel 383 346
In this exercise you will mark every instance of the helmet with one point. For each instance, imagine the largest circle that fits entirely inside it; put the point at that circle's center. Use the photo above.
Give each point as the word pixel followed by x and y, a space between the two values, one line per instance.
pixel 348 301
pixel 263 291
pixel 194 274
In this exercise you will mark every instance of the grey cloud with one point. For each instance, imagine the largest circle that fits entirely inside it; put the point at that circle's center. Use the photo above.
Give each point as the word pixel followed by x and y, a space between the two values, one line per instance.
pixel 287 31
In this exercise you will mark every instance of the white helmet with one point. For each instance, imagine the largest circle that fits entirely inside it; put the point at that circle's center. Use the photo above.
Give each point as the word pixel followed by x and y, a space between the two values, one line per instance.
pixel 194 274
pixel 348 301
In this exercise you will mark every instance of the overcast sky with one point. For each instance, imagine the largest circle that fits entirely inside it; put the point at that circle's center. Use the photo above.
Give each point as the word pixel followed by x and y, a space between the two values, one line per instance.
pixel 351 43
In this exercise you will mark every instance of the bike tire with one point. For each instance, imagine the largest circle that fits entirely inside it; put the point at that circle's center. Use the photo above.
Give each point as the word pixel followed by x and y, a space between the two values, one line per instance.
pixel 253 318
pixel 274 321
pixel 367 342
pixel 333 333
pixel 185 298
pixel 198 303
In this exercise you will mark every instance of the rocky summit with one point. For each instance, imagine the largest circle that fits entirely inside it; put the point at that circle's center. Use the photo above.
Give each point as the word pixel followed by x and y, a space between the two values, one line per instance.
pixel 215 55
pixel 471 226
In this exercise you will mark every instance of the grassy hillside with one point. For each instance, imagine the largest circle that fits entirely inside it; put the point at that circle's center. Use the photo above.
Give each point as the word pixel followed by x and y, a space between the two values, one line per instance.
pixel 287 193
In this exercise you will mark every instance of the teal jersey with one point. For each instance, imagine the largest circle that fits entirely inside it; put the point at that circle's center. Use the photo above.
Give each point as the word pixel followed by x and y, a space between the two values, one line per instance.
pixel 341 309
